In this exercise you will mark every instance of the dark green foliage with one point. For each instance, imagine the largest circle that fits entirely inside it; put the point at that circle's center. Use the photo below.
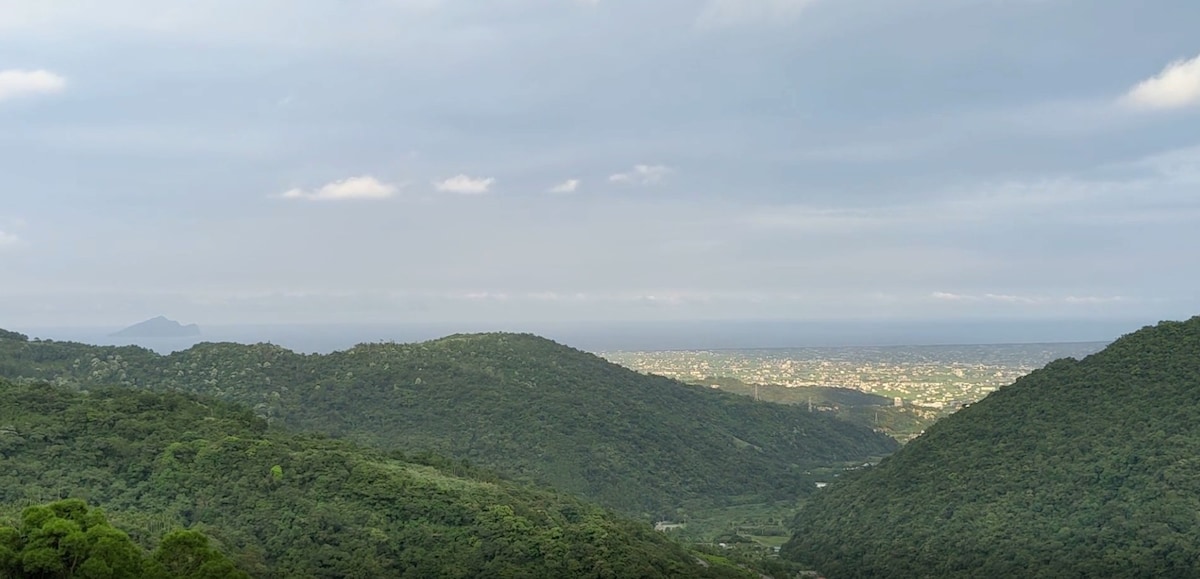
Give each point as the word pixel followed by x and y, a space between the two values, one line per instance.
pixel 525 406
pixel 66 539
pixel 186 554
pixel 7 335
pixel 1082 469
pixel 286 506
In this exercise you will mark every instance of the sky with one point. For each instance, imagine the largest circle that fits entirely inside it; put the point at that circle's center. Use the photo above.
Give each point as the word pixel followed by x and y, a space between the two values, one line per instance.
pixel 295 161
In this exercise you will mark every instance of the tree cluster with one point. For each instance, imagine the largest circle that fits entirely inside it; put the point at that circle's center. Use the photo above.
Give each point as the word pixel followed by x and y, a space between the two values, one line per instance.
pixel 66 540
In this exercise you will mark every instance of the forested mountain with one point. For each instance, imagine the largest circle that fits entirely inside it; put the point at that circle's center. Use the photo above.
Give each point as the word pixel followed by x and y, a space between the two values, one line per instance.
pixel 1082 469
pixel 282 505
pixel 520 404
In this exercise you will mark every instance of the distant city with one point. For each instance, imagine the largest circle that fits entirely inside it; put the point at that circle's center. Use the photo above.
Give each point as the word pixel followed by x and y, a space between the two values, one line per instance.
pixel 925 376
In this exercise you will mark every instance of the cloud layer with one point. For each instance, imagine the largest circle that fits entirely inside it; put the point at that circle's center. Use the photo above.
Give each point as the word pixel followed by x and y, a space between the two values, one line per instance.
pixel 863 154
pixel 1023 300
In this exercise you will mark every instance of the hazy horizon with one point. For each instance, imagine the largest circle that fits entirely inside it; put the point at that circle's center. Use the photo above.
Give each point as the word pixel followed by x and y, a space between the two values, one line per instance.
pixel 599 336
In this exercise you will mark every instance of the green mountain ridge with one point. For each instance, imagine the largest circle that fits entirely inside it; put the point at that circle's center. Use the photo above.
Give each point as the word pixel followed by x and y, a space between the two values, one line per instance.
pixel 300 505
pixel 1084 468
pixel 523 405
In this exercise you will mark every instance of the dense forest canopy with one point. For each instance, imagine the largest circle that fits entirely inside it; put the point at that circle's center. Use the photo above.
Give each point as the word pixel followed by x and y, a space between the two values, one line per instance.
pixel 523 405
pixel 280 505
pixel 1081 469
pixel 67 539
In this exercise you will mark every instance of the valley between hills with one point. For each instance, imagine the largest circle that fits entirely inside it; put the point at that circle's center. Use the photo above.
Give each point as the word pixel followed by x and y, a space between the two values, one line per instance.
pixel 511 455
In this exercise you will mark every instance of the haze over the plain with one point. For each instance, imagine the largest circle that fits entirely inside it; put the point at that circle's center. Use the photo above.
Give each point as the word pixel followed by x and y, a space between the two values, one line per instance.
pixel 444 161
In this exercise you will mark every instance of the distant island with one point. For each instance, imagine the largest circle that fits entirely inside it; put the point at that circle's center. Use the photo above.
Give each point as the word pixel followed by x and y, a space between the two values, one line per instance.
pixel 159 327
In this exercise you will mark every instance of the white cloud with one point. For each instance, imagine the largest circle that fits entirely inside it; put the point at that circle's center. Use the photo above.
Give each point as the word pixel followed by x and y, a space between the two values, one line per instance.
pixel 365 187
pixel 1011 299
pixel 19 83
pixel 465 185
pixel 1177 86
pixel 952 297
pixel 568 186
pixel 725 13
pixel 642 175
pixel 8 239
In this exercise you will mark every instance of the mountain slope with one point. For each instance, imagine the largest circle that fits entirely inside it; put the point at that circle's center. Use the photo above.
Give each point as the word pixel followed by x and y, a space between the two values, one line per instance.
pixel 1083 468
pixel 302 506
pixel 520 404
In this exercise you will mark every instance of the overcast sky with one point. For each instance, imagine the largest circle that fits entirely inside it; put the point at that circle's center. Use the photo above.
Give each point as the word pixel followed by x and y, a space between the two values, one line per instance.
pixel 266 161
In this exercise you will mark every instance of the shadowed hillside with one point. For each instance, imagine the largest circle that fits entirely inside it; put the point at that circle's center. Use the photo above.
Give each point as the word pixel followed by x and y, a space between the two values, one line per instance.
pixel 1081 469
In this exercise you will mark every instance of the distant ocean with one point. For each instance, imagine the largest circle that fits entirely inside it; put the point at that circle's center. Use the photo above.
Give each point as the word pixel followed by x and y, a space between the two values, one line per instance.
pixel 638 336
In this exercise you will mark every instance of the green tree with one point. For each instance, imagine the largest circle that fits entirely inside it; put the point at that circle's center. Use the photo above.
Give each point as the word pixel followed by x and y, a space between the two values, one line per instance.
pixel 188 555
pixel 66 539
